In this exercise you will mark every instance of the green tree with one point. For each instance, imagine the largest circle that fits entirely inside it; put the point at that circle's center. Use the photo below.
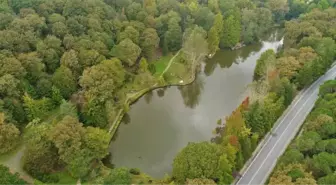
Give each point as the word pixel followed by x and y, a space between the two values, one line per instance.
pixel 305 75
pixel 40 155
pixel 12 66
pixel 102 81
pixel 68 136
pixel 213 40
pixel 33 66
pixel 94 114
pixel 59 29
pixel 68 109
pixel 328 87
pixel 132 10
pixel 6 177
pixel 70 60
pixel 149 42
pixel 323 164
pixel 288 67
pixel 292 156
pixel 37 108
pixel 255 23
pixel 97 142
pixel 195 46
pixel 9 86
pixel 118 176
pixel 88 58
pixel 214 5
pixel 9 135
pixel 129 33
pixel 204 17
pixel 50 49
pixel 56 96
pixel 329 179
pixel 65 81
pixel 43 87
pixel 279 9
pixel 127 52
pixel 173 36
pixel 307 141
pixel 226 168
pixel 197 160
pixel 266 59
pixel 231 32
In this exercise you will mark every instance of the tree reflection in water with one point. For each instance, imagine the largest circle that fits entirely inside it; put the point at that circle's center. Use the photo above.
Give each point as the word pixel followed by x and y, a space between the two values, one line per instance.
pixel 126 119
pixel 225 58
pixel 161 92
pixel 148 97
pixel 191 93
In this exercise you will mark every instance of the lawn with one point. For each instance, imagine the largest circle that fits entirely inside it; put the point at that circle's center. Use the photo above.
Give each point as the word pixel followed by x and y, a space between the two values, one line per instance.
pixel 65 178
pixel 161 64
pixel 144 179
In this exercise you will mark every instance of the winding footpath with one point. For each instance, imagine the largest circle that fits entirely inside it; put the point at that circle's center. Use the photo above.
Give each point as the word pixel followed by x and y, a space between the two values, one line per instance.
pixel 257 170
pixel 136 95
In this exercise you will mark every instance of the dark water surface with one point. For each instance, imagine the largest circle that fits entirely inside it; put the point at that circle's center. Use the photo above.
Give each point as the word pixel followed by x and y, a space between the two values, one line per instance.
pixel 163 121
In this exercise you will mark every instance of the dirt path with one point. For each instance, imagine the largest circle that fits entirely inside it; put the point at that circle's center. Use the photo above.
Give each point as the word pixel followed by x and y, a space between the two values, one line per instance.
pixel 13 162
pixel 134 95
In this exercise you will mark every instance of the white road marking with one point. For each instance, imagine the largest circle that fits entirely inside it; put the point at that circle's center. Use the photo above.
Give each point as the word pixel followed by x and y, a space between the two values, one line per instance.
pixel 279 139
pixel 277 126
pixel 291 108
pixel 275 161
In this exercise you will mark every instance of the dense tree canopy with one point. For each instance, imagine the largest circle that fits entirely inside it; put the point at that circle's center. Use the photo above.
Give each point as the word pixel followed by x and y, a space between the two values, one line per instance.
pixel 70 66
pixel 314 149
pixel 197 160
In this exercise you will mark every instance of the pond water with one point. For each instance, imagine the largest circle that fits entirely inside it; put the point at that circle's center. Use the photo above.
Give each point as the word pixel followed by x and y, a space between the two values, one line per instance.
pixel 163 121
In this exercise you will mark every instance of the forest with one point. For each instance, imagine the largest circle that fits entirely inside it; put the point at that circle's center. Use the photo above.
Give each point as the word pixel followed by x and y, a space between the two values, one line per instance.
pixel 309 50
pixel 311 157
pixel 69 66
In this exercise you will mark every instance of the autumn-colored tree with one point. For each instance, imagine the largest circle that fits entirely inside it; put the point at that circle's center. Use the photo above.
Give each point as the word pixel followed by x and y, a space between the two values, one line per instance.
pixel 266 59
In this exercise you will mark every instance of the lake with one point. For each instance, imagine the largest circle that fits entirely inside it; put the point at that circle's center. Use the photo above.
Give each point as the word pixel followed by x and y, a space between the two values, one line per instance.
pixel 163 121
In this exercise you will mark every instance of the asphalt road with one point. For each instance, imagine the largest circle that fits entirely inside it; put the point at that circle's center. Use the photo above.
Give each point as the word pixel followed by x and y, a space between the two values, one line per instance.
pixel 285 130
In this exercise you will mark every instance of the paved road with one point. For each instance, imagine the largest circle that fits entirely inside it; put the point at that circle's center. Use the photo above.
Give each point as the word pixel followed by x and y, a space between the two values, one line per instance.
pixel 288 125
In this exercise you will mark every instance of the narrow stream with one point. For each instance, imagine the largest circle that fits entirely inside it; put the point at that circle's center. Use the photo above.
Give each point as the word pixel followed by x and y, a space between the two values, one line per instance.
pixel 163 121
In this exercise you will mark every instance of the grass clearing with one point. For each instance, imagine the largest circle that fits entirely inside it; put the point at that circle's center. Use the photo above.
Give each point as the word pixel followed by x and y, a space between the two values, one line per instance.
pixel 161 64
pixel 65 178
pixel 144 179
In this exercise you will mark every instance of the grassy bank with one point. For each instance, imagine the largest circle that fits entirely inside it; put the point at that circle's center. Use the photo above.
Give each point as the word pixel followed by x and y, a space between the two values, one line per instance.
pixel 169 72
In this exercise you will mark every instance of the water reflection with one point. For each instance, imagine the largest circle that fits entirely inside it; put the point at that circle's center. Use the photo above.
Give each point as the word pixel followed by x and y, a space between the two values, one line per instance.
pixel 148 97
pixel 192 93
pixel 178 115
pixel 126 119
pixel 226 58
pixel 161 92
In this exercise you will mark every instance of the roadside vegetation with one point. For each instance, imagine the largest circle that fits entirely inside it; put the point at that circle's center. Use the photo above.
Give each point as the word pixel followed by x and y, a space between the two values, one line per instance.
pixel 278 77
pixel 71 68
pixel 311 157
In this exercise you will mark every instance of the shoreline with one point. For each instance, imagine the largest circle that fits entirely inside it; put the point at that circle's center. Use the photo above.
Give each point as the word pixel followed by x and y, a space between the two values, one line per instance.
pixel 130 100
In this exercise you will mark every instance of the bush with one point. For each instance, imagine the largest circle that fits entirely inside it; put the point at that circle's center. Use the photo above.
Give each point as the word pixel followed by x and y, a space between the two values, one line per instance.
pixel 6 177
pixel 134 171
pixel 197 160
pixel 295 174
pixel 118 176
